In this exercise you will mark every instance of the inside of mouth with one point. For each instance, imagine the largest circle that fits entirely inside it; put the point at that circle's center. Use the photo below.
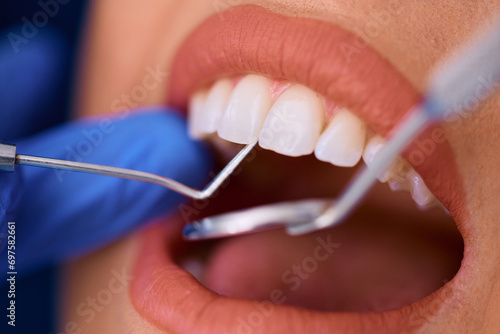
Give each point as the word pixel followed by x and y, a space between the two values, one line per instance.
pixel 386 255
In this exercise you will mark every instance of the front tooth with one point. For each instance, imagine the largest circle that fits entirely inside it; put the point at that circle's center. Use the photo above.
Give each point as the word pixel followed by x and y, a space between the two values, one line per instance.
pixel 244 116
pixel 215 104
pixel 294 122
pixel 196 104
pixel 343 141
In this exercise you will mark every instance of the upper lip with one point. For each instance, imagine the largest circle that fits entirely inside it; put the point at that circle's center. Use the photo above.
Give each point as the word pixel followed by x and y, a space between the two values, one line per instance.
pixel 251 39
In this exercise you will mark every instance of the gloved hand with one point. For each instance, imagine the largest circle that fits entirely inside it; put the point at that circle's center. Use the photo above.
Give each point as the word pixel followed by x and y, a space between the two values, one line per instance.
pixel 61 214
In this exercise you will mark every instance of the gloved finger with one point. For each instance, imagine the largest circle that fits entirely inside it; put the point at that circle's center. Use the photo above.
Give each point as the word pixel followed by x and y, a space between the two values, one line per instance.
pixel 31 80
pixel 10 196
pixel 64 214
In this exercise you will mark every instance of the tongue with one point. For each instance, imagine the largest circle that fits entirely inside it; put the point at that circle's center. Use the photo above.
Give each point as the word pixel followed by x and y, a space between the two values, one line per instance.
pixel 363 265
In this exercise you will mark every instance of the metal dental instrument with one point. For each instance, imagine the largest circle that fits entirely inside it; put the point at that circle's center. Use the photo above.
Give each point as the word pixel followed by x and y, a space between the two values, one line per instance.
pixel 260 218
pixel 9 158
pixel 471 75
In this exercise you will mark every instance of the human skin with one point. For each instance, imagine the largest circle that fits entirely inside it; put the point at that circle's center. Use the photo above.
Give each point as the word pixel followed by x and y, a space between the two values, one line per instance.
pixel 125 38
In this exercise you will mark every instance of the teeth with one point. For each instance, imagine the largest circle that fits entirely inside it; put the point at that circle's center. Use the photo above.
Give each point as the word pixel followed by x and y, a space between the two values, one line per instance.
pixel 400 175
pixel 244 116
pixel 343 142
pixel 292 126
pixel 196 104
pixel 396 172
pixel 420 193
pixel 206 108
pixel 373 147
pixel 294 122
pixel 400 185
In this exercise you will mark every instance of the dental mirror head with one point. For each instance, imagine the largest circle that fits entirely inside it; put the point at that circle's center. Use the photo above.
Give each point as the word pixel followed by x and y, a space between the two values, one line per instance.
pixel 256 219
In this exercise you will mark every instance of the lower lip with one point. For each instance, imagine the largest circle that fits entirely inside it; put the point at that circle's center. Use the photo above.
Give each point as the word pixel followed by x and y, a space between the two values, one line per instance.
pixel 174 301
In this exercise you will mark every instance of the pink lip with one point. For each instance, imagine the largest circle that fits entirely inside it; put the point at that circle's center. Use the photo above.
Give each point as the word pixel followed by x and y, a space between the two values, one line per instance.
pixel 251 39
pixel 316 54
pixel 174 301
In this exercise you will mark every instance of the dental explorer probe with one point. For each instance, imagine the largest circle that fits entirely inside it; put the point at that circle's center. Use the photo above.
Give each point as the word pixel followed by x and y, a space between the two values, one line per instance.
pixel 9 158
pixel 449 89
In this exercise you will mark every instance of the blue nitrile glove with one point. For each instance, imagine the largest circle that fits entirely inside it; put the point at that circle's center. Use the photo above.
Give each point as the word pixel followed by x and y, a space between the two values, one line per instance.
pixel 63 214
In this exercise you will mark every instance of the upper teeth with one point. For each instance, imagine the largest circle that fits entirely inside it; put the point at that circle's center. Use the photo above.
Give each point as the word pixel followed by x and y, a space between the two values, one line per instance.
pixel 246 110
pixel 349 135
pixel 293 124
pixel 206 108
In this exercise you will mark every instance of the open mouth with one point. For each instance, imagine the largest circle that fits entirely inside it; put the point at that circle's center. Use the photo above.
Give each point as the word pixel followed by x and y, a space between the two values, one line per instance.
pixel 316 112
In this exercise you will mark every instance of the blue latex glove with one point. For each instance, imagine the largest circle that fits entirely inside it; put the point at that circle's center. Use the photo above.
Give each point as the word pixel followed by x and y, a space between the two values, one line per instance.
pixel 62 214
